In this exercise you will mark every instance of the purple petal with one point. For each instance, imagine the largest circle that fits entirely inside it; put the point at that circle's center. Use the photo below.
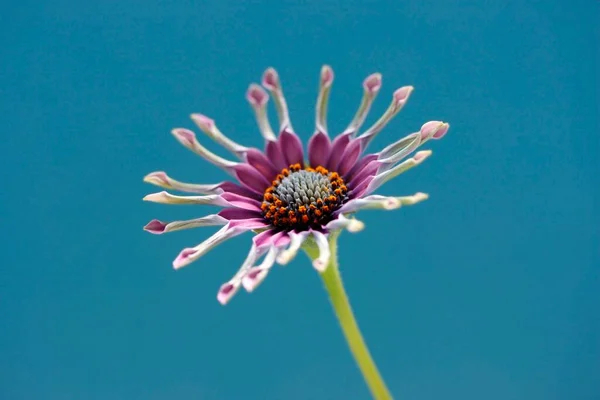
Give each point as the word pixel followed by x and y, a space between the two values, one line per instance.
pixel 368 170
pixel 337 149
pixel 291 147
pixel 360 164
pixel 264 239
pixel 319 148
pixel 261 163
pixel 241 201
pixel 351 155
pixel 239 213
pixel 275 155
pixel 362 187
pixel 155 226
pixel 230 187
pixel 251 178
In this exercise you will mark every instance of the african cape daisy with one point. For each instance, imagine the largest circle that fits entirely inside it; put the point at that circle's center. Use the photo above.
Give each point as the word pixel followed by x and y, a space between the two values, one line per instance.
pixel 292 201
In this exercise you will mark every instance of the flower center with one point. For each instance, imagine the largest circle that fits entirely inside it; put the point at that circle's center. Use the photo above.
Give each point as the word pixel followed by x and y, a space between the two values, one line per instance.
pixel 303 198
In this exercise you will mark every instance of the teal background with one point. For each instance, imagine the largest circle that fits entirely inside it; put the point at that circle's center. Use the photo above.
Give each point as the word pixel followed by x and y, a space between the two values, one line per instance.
pixel 489 290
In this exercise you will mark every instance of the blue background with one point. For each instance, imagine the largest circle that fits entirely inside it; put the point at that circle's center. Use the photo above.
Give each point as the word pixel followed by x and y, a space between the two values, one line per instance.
pixel 489 290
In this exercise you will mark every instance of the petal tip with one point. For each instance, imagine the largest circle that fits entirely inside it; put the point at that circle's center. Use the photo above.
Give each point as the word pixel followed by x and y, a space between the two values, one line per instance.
pixel 155 226
pixel 402 94
pixel 158 177
pixel 326 76
pixel 185 136
pixel 253 278
pixel 270 79
pixel 226 292
pixel 320 265
pixel 372 83
pixel 183 258
pixel 205 123
pixel 256 95
pixel 158 197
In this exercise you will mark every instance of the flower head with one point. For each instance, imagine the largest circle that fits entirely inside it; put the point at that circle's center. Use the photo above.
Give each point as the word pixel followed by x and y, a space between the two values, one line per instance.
pixel 287 198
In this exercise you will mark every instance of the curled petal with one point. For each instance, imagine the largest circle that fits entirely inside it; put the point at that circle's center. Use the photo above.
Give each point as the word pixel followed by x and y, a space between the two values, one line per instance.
pixel 399 99
pixel 385 176
pixel 321 262
pixel 158 227
pixel 189 255
pixel 371 86
pixel 254 276
pixel 319 148
pixel 382 202
pixel 296 241
pixel 271 82
pixel 434 130
pixel 322 99
pixel 230 288
pixel 350 224
pixel 291 146
pixel 209 127
pixel 168 198
pixel 188 139
pixel 400 149
pixel 258 98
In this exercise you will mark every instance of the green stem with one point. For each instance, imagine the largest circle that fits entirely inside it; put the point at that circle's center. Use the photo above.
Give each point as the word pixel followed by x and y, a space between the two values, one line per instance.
pixel 343 311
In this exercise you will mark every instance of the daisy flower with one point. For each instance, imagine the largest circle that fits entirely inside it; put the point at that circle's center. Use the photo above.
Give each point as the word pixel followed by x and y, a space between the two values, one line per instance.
pixel 294 199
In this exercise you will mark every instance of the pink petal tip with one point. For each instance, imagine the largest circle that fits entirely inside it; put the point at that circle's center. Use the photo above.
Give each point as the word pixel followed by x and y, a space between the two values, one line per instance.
pixel 182 258
pixel 203 121
pixel 372 83
pixel 226 292
pixel 155 226
pixel 401 95
pixel 253 278
pixel 326 76
pixel 185 136
pixel 270 79
pixel 434 130
pixel 257 95
pixel 158 176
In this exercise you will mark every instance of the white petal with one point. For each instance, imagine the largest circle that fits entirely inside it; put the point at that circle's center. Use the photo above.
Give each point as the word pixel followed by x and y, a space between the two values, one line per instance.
pixel 321 262
pixel 158 227
pixel 161 179
pixel 230 288
pixel 258 98
pixel 296 241
pixel 350 224
pixel 188 139
pixel 209 127
pixel 271 82
pixel 382 202
pixel 371 85
pixel 254 276
pixel 385 176
pixel 168 198
pixel 322 100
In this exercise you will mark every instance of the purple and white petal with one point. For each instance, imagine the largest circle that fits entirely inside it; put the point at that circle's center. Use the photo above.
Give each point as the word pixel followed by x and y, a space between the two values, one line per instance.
pixel 321 262
pixel 255 275
pixel 323 98
pixel 239 213
pixel 349 158
pixel 232 229
pixel 400 149
pixel 168 198
pixel 188 139
pixel 258 98
pixel 159 227
pixel 337 150
pixel 296 241
pixel 208 126
pixel 236 200
pixel 230 288
pixel 385 176
pixel 371 86
pixel 341 222
pixel 377 202
pixel 399 99
pixel 271 82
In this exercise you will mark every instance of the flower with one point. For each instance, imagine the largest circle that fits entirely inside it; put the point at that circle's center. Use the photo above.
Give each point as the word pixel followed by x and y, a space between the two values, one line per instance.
pixel 290 200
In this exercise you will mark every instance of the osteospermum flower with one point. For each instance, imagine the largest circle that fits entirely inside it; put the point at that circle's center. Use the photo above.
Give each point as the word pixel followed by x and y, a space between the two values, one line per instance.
pixel 287 195
pixel 293 201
